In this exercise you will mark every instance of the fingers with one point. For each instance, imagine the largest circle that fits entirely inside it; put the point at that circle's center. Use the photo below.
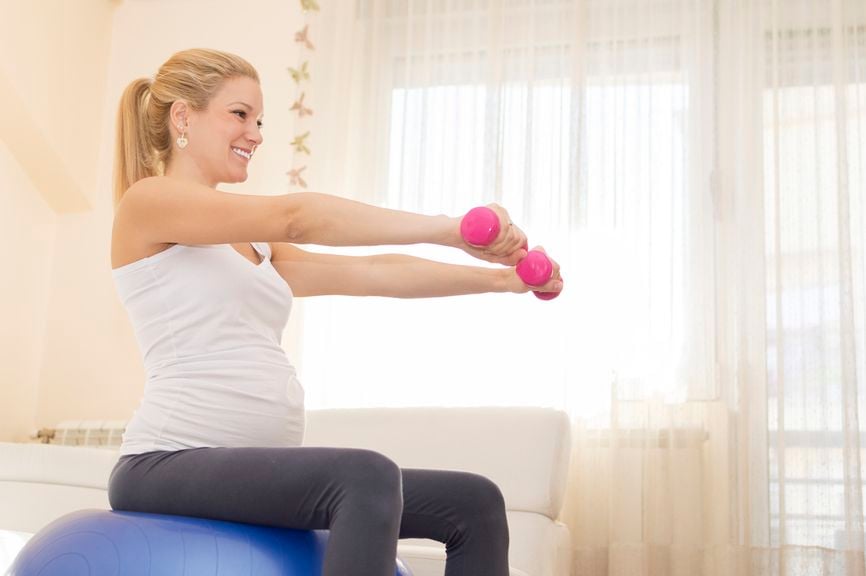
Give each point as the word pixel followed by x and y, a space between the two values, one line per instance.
pixel 509 247
pixel 555 283
pixel 510 252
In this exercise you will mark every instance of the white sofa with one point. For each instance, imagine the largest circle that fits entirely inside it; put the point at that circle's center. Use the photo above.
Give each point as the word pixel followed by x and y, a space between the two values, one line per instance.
pixel 524 450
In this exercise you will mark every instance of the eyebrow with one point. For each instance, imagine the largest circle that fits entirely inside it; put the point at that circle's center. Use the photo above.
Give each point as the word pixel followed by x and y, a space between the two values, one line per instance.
pixel 262 115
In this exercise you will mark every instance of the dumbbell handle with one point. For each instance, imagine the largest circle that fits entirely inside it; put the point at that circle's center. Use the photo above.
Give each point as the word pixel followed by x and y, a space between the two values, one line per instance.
pixel 480 227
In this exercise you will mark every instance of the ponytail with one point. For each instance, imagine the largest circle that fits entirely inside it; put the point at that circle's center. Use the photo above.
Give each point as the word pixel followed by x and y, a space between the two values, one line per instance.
pixel 133 158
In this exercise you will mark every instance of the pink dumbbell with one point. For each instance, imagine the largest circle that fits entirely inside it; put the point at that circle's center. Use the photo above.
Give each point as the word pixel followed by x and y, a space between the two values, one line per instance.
pixel 480 227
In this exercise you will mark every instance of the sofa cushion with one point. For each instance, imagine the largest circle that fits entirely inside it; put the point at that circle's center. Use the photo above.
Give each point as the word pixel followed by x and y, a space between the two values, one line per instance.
pixel 525 451
pixel 39 482
pixel 538 546
pixel 51 464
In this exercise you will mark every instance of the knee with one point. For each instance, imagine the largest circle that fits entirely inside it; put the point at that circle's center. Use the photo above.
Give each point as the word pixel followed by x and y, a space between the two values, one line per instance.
pixel 485 503
pixel 374 485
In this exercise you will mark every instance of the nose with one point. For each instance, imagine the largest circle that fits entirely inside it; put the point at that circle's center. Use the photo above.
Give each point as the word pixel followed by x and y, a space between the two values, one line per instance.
pixel 256 137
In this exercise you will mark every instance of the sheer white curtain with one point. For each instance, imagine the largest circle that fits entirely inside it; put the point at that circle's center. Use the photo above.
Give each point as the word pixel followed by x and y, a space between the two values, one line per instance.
pixel 795 93
pixel 697 168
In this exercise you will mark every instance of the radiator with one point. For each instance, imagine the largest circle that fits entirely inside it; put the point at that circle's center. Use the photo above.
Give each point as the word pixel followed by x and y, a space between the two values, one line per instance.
pixel 94 433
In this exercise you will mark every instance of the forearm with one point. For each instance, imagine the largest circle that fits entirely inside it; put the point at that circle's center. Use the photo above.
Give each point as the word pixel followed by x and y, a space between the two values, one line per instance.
pixel 389 275
pixel 334 221
pixel 401 276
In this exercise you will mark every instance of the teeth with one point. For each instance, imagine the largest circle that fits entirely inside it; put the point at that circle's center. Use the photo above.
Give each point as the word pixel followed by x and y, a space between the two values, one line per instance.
pixel 240 152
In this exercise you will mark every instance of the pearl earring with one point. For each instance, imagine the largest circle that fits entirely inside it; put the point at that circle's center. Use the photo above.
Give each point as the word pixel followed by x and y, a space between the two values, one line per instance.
pixel 182 140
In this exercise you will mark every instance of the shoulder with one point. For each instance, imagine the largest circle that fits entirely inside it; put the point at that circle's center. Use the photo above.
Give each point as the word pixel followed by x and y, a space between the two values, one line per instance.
pixel 136 199
pixel 146 186
pixel 148 183
pixel 140 192
pixel 171 210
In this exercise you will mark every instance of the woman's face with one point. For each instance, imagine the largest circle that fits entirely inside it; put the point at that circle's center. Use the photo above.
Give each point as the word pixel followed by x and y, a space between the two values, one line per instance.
pixel 224 137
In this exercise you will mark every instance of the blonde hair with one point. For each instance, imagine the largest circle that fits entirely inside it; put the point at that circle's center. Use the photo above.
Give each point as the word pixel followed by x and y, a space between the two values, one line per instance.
pixel 144 141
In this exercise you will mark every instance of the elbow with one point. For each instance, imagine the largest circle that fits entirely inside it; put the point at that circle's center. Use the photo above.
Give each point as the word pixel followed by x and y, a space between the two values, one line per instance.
pixel 296 220
pixel 307 222
pixel 292 233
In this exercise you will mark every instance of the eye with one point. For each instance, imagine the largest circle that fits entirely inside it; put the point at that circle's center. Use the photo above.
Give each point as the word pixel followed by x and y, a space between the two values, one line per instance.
pixel 243 115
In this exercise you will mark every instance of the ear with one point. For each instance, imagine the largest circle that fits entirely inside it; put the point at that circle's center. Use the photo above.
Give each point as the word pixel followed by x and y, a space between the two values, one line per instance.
pixel 179 114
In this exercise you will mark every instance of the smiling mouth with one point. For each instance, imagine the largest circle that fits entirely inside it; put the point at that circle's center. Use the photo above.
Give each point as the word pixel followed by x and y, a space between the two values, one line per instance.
pixel 247 154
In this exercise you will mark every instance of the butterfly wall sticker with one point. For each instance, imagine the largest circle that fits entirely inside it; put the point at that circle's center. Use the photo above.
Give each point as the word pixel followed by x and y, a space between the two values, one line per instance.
pixel 295 177
pixel 299 143
pixel 309 5
pixel 302 37
pixel 300 74
pixel 299 106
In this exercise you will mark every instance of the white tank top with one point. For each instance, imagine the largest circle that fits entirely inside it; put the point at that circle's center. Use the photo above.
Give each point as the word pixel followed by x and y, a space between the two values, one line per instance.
pixel 209 323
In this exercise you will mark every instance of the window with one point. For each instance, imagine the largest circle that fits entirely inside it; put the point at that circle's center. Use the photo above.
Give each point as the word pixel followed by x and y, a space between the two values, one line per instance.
pixel 599 145
pixel 620 240
pixel 806 407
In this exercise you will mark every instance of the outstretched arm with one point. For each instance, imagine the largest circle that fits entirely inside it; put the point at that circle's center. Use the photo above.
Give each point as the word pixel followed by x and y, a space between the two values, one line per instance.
pixel 335 221
pixel 161 210
pixel 389 275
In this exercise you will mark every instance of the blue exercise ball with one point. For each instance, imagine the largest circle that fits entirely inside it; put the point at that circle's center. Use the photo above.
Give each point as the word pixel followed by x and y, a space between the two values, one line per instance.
pixel 109 543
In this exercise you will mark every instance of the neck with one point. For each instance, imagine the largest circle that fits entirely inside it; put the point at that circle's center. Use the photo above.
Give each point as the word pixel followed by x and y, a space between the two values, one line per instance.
pixel 191 172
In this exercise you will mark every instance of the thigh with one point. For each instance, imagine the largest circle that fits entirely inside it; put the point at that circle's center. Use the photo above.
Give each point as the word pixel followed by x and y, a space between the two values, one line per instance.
pixel 443 504
pixel 289 487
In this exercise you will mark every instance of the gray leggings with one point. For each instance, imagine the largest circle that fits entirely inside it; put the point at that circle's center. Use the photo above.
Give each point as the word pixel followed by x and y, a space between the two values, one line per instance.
pixel 365 500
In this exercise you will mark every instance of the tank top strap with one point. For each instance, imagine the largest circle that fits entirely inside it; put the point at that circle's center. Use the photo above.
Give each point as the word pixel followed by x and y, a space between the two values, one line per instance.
pixel 263 248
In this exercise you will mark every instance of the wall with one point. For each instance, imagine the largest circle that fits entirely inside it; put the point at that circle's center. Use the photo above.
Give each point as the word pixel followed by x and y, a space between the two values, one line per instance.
pixel 52 81
pixel 27 229
pixel 68 349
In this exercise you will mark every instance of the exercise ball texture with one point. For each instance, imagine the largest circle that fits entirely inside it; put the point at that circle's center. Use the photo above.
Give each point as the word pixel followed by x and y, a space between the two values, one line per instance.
pixel 109 543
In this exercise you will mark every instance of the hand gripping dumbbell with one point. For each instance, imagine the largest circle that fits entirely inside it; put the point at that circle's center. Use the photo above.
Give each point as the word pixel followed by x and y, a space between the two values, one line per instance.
pixel 480 227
